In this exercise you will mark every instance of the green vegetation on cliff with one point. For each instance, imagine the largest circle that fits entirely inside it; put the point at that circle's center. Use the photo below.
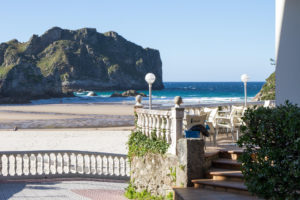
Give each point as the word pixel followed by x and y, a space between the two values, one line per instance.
pixel 267 92
pixel 4 70
pixel 55 56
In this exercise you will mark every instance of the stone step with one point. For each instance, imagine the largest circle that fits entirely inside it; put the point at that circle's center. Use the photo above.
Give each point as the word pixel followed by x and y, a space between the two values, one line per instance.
pixel 225 174
pixel 221 185
pixel 224 163
pixel 233 155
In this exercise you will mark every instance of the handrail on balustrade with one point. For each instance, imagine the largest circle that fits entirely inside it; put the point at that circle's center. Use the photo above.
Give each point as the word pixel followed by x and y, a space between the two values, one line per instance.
pixel 153 112
pixel 63 151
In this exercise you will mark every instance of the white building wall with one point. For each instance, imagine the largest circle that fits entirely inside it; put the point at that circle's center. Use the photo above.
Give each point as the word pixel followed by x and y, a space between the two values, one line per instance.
pixel 288 51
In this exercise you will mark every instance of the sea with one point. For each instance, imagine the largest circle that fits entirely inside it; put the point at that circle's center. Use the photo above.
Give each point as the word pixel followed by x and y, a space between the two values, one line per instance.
pixel 191 93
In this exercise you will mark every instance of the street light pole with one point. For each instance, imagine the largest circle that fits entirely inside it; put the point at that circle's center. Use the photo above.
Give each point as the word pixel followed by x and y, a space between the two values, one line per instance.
pixel 150 78
pixel 150 96
pixel 245 79
pixel 245 90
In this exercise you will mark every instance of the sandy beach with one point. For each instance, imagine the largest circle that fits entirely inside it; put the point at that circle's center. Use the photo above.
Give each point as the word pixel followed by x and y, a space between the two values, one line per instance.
pixel 65 116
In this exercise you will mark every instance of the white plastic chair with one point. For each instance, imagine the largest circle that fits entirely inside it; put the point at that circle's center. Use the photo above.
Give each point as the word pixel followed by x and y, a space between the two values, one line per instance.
pixel 211 121
pixel 231 122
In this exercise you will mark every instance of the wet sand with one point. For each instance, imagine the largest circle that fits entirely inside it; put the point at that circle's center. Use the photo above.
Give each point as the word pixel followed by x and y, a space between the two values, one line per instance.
pixel 65 116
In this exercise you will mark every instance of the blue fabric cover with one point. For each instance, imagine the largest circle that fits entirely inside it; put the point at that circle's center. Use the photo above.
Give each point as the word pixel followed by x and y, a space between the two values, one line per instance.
pixel 192 134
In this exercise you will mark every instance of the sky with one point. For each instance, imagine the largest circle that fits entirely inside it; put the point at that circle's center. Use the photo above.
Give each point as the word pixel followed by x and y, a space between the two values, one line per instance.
pixel 198 40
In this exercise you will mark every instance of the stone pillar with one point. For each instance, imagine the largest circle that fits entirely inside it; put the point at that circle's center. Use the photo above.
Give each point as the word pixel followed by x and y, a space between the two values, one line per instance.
pixel 190 153
pixel 287 51
pixel 176 128
pixel 138 104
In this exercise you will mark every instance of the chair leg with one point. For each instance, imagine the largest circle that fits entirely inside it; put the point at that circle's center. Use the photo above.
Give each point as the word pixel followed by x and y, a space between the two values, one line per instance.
pixel 215 136
pixel 227 132
pixel 232 133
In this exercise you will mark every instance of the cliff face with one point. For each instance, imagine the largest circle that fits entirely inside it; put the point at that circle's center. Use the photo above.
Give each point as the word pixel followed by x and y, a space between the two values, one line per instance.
pixel 267 92
pixel 62 61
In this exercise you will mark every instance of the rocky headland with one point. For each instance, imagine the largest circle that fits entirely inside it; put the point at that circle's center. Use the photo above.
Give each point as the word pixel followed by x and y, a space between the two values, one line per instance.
pixel 61 61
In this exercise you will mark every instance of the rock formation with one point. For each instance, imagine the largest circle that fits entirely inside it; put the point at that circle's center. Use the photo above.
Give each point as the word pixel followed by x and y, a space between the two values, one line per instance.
pixel 128 93
pixel 62 61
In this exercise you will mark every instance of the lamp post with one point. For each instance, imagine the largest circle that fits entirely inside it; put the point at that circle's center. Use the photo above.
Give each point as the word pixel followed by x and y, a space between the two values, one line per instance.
pixel 150 78
pixel 245 79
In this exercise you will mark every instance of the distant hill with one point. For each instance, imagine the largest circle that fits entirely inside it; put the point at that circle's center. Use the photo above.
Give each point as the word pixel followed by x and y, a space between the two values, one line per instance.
pixel 267 92
pixel 62 61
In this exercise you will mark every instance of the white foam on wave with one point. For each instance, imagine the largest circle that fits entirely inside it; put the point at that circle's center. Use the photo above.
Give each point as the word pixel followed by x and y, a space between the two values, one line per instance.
pixel 201 100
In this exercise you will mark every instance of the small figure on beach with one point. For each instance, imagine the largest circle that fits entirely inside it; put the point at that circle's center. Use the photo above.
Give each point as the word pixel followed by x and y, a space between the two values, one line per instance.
pixel 15 128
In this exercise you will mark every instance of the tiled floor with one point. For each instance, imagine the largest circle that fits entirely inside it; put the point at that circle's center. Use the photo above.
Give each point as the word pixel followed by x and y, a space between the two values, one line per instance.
pixel 63 190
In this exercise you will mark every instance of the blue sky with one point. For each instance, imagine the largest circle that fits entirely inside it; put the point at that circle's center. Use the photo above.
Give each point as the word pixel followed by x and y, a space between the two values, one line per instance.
pixel 200 40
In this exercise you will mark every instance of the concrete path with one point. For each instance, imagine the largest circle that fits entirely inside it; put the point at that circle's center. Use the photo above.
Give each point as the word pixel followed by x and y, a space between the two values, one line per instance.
pixel 63 190
pixel 206 194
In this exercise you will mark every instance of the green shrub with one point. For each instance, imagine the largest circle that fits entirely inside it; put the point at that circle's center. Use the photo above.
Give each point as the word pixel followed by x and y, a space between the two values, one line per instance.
pixel 131 193
pixel 139 144
pixel 271 160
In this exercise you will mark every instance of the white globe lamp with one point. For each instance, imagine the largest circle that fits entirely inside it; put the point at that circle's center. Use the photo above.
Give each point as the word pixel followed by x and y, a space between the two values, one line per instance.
pixel 150 79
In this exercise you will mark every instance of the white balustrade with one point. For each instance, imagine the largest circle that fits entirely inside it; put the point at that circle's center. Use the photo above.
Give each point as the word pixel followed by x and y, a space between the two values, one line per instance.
pixel 169 124
pixel 162 123
pixel 63 164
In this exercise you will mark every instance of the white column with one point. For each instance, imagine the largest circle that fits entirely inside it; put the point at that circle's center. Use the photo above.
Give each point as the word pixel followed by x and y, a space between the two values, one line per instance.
pixel 288 51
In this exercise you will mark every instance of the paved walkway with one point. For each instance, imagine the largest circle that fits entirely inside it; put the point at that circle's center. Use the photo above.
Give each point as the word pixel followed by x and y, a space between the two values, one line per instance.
pixel 62 190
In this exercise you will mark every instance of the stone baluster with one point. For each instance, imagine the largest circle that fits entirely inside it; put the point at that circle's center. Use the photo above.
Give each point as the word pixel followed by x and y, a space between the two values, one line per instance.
pixel 21 165
pixel 158 129
pixel 36 162
pixel 120 166
pixel 107 165
pixel 90 163
pixel 150 125
pixel 83 164
pixel 113 166
pixel 141 122
pixel 57 163
pixel 69 158
pixel 98 163
pixel 102 164
pixel 75 163
pixel 40 165
pixel 153 125
pixel 29 165
pixel 163 127
pixel 168 129
pixel 8 165
pixel 43 164
pixel 15 164
pixel 145 124
pixel 25 163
